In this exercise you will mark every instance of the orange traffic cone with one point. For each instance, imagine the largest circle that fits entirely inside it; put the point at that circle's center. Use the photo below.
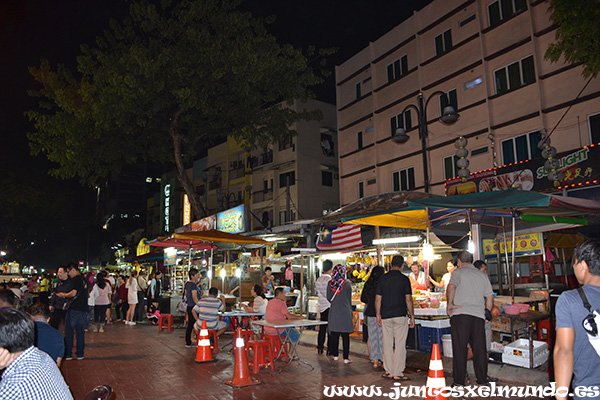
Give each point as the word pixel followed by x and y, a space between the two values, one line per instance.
pixel 435 379
pixel 241 371
pixel 203 351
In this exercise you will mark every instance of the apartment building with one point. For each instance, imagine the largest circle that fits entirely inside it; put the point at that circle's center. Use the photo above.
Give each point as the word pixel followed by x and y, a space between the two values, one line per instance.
pixel 487 56
pixel 290 180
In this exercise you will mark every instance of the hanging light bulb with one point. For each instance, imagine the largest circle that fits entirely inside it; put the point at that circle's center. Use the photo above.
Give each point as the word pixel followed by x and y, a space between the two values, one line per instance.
pixel 223 272
pixel 470 245
pixel 428 252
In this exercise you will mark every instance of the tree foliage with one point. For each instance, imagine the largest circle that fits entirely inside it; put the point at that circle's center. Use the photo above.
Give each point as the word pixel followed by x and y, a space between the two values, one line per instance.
pixel 172 77
pixel 578 33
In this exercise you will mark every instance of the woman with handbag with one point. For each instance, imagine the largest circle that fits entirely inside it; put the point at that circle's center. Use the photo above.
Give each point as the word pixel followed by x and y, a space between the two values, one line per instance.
pixel 339 294
pixel 191 296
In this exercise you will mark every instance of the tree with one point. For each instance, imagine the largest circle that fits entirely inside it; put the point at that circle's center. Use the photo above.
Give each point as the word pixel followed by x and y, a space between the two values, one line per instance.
pixel 174 76
pixel 578 33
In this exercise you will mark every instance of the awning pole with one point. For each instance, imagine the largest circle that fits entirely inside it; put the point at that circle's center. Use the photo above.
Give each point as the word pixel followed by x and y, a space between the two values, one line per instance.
pixel 301 282
pixel 514 240
pixel 546 278
pixel 500 274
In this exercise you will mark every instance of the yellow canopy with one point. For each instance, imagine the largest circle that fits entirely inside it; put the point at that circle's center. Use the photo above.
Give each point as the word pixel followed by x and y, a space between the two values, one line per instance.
pixel 411 219
pixel 218 236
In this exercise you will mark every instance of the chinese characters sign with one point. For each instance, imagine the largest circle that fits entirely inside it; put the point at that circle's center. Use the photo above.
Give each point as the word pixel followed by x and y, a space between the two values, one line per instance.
pixel 525 244
pixel 232 220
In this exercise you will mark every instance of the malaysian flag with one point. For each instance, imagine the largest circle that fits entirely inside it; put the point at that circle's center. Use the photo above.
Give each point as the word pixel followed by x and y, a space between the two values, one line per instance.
pixel 340 237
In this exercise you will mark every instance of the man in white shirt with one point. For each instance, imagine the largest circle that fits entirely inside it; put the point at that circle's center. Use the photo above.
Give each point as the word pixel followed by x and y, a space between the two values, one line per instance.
pixel 324 304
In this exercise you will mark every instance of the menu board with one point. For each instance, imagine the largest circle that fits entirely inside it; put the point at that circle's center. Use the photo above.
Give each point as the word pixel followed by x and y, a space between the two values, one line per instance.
pixel 529 244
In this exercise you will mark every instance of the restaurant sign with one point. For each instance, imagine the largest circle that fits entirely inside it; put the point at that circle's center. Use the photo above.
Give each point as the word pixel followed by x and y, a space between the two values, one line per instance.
pixel 232 220
pixel 529 244
pixel 578 169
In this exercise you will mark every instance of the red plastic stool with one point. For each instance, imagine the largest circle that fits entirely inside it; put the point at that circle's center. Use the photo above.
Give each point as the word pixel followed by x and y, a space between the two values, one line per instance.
pixel 213 333
pixel 248 335
pixel 543 330
pixel 276 344
pixel 260 348
pixel 165 321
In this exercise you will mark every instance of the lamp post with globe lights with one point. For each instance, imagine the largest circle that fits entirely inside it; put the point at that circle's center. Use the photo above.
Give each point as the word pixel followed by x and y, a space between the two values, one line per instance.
pixel 449 116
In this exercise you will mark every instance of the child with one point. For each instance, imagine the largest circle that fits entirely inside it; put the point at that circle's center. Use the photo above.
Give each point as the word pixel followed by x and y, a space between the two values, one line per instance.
pixel 153 315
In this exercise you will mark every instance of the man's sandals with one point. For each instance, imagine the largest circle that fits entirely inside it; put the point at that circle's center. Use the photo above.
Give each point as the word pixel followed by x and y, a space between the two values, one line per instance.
pixel 395 378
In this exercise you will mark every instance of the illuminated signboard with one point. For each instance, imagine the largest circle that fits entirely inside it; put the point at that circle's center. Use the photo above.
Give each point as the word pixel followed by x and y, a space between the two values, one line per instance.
pixel 187 210
pixel 142 247
pixel 232 220
pixel 170 256
pixel 167 212
pixel 579 169
pixel 529 244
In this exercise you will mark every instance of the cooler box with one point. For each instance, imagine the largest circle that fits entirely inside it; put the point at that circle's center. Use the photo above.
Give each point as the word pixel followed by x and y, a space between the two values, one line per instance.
pixel 517 353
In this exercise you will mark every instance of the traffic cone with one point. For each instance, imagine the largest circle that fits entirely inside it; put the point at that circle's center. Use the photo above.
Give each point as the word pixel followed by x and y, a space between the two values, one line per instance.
pixel 241 370
pixel 203 351
pixel 435 378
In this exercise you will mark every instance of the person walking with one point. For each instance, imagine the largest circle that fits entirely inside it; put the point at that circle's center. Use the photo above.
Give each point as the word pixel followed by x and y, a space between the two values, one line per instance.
pixel 132 297
pixel 101 295
pixel 75 320
pixel 576 352
pixel 192 296
pixel 322 284
pixel 339 294
pixel 367 296
pixel 395 314
pixel 469 293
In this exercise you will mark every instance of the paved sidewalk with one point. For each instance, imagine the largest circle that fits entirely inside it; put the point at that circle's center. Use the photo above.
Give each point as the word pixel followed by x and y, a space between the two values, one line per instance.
pixel 138 362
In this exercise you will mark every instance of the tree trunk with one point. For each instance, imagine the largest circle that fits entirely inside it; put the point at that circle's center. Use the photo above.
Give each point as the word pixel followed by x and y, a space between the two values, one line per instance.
pixel 197 207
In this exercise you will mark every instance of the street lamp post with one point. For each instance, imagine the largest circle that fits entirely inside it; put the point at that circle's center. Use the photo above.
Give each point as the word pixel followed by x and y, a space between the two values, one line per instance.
pixel 449 116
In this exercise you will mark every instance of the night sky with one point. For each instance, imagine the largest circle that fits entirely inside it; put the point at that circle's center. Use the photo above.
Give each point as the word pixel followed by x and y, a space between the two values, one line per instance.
pixel 31 30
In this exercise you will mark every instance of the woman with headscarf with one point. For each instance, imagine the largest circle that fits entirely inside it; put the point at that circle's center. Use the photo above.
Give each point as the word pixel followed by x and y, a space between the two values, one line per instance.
pixel 339 294
pixel 375 333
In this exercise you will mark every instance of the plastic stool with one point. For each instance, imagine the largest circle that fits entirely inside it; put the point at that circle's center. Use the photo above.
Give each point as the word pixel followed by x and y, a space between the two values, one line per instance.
pixel 213 333
pixel 260 348
pixel 165 321
pixel 543 325
pixel 276 344
pixel 248 335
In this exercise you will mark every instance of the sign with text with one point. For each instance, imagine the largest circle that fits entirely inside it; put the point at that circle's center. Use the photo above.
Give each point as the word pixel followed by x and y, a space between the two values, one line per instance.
pixel 529 244
pixel 578 168
pixel 232 220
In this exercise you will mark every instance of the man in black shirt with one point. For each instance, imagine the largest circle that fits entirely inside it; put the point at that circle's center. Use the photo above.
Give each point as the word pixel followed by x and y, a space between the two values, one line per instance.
pixel 58 304
pixel 76 313
pixel 394 311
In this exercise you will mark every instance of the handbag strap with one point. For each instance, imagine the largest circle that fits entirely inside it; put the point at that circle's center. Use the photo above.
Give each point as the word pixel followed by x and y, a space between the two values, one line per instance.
pixel 586 303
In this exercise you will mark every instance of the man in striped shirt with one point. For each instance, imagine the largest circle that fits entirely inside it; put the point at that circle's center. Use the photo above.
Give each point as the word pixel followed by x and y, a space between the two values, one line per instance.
pixel 207 309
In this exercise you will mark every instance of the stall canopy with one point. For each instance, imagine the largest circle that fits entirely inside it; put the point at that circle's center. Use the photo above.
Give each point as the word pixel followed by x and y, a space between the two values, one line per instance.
pixel 214 236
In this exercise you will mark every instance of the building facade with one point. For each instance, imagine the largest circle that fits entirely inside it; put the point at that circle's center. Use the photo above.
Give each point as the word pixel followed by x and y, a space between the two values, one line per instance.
pixel 290 180
pixel 487 56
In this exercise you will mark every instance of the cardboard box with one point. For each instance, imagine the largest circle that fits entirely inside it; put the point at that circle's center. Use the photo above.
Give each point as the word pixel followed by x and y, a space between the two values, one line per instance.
pixel 501 323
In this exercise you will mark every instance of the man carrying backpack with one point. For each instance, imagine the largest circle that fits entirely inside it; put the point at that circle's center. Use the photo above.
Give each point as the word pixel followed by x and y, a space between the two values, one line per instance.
pixel 577 348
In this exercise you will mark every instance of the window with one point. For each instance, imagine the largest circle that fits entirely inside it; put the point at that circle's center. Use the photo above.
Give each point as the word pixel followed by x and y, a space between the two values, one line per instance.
pixel 594 121
pixel 361 190
pixel 358 93
pixel 502 10
pixel 287 143
pixel 450 167
pixel 327 145
pixel 478 151
pixel 443 42
pixel 398 68
pixel 359 139
pixel 466 20
pixel 326 178
pixel 287 178
pixel 449 98
pixel 521 148
pixel 402 120
pixel 515 75
pixel 404 179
